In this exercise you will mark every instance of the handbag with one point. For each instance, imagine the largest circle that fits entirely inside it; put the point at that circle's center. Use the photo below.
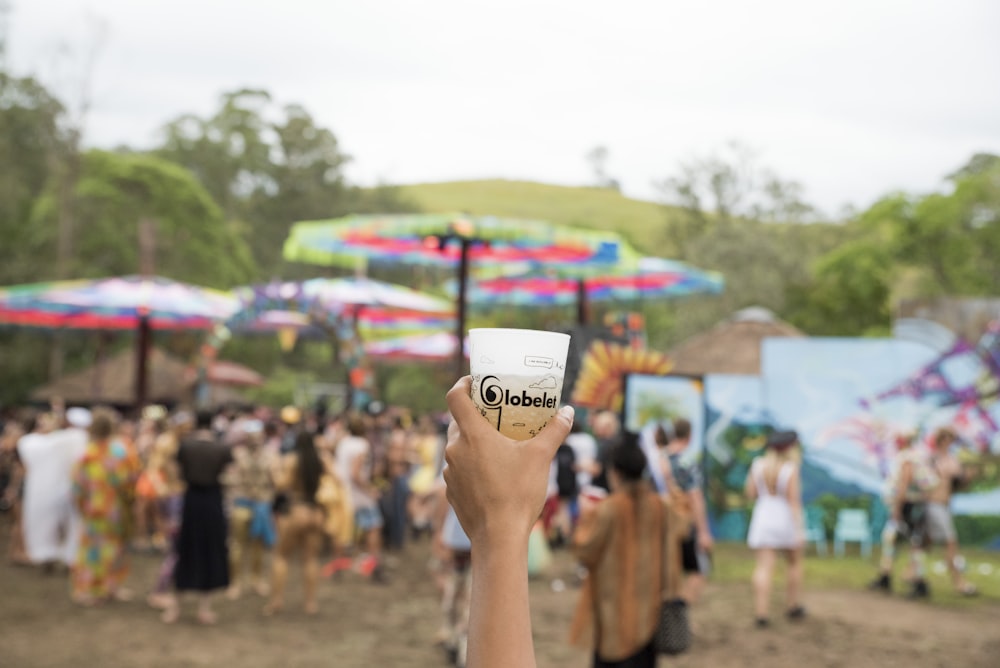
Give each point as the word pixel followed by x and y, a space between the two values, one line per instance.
pixel 673 632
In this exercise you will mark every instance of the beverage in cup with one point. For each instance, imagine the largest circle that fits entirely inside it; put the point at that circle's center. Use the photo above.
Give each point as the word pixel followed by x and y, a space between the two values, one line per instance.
pixel 517 377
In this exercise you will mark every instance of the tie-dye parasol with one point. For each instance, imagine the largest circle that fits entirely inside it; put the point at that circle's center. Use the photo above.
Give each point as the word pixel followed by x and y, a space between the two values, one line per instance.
pixel 376 307
pixel 646 278
pixel 140 303
pixel 426 348
pixel 451 240
pixel 115 304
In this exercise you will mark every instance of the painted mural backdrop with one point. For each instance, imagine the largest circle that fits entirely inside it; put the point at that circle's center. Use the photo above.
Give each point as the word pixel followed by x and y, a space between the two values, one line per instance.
pixel 848 398
pixel 736 431
pixel 652 400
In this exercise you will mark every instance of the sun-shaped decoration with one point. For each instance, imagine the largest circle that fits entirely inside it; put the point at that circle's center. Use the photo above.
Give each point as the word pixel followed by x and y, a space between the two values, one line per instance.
pixel 600 384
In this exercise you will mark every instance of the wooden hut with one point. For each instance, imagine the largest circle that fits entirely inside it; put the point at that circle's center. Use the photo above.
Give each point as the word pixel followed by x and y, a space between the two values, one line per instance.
pixel 732 346
pixel 171 381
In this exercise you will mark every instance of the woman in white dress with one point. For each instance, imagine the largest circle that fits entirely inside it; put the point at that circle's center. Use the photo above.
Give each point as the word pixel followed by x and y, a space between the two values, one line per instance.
pixel 777 524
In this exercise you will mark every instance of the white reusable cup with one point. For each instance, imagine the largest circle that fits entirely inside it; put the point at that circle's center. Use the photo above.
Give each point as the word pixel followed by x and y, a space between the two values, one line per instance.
pixel 517 377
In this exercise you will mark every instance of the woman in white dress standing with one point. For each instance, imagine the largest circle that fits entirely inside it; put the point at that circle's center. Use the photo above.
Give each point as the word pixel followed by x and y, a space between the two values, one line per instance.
pixel 777 524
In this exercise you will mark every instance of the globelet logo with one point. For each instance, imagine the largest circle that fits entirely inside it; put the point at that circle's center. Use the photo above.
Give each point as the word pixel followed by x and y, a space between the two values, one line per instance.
pixel 494 395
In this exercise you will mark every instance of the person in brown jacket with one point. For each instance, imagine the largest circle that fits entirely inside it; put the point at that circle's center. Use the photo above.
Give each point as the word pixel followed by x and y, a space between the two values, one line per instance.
pixel 629 543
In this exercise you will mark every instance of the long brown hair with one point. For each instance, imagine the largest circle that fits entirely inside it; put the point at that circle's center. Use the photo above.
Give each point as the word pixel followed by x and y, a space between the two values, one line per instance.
pixel 773 460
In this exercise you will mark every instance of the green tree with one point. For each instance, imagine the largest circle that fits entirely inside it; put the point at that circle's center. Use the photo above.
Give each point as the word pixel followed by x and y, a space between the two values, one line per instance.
pixel 30 137
pixel 269 166
pixel 907 246
pixel 739 218
pixel 730 187
pixel 954 238
pixel 115 192
pixel 848 294
pixel 228 151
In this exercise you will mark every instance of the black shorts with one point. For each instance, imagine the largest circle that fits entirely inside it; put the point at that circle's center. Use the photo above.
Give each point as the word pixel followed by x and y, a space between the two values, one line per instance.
pixel 644 658
pixel 914 522
pixel 693 559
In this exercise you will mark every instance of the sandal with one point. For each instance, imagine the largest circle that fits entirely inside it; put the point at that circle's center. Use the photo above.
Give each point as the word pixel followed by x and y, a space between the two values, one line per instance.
pixel 797 613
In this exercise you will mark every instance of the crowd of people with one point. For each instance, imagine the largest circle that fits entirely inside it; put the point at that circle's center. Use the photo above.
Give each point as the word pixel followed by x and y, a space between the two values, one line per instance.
pixel 231 498
pixel 215 493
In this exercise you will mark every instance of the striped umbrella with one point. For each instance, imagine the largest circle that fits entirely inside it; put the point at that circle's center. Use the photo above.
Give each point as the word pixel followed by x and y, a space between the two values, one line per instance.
pixel 114 304
pixel 645 278
pixel 140 303
pixel 451 240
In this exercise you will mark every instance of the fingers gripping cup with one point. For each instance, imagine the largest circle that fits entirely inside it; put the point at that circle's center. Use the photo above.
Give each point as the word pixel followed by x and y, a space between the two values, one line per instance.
pixel 517 377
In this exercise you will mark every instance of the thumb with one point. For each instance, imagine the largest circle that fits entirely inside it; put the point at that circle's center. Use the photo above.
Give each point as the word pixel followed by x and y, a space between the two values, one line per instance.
pixel 555 432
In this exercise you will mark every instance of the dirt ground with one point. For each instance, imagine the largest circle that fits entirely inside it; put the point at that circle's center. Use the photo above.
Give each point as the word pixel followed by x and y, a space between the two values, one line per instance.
pixel 362 624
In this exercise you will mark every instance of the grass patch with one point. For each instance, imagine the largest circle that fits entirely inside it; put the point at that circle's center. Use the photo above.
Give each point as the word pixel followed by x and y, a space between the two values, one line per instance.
pixel 734 563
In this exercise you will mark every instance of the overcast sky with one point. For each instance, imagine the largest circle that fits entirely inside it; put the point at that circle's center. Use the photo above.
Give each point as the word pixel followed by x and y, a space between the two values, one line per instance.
pixel 852 98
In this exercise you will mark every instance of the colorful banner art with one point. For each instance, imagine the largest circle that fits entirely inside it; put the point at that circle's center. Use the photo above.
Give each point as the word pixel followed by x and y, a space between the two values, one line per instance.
pixel 597 380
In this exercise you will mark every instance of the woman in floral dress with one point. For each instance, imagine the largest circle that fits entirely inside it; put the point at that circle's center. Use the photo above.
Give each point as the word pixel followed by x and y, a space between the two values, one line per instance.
pixel 103 488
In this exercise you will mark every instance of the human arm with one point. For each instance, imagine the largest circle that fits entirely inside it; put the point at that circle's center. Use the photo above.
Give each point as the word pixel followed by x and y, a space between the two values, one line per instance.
pixel 749 486
pixel 497 487
pixel 794 496
pixel 699 513
pixel 591 534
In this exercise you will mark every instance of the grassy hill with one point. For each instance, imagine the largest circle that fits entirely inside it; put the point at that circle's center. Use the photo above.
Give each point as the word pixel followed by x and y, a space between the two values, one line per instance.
pixel 640 222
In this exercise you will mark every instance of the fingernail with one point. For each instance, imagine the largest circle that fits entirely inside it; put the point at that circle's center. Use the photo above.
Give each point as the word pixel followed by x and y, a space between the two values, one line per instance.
pixel 567 412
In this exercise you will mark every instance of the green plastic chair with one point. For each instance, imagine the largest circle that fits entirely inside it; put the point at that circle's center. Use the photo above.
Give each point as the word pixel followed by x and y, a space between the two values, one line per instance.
pixel 816 529
pixel 852 527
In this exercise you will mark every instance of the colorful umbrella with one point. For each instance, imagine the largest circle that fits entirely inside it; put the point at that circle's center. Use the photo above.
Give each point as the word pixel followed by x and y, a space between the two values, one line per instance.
pixel 353 309
pixel 428 239
pixel 428 348
pixel 375 307
pixel 451 240
pixel 142 303
pixel 115 304
pixel 646 278
pixel 338 292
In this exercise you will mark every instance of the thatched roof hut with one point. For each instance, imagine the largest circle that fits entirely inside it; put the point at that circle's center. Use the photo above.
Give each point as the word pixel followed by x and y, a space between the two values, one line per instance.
pixel 732 346
pixel 171 381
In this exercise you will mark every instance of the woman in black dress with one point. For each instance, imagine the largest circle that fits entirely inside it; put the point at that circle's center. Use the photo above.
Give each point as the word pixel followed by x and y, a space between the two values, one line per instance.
pixel 202 554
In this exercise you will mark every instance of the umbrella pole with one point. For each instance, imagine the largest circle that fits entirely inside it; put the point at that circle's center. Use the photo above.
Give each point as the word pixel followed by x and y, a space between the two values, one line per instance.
pixel 142 360
pixel 96 388
pixel 582 306
pixel 463 284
